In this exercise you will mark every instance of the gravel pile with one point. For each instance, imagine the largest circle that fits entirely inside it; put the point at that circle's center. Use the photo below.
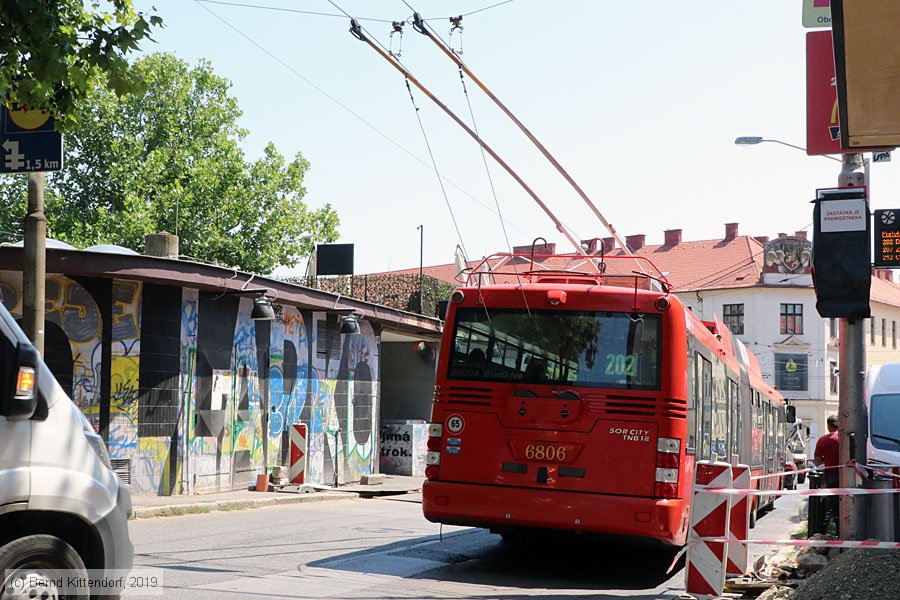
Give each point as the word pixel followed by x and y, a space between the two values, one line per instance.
pixel 855 575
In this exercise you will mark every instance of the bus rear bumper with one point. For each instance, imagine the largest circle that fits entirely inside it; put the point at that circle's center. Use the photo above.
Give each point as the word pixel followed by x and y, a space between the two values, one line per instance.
pixel 496 507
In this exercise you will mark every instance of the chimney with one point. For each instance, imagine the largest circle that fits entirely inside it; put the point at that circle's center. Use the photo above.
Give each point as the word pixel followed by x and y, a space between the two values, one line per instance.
pixel 537 249
pixel 609 244
pixel 635 242
pixel 762 239
pixel 591 246
pixel 731 231
pixel 801 235
pixel 672 237
pixel 162 244
pixel 781 235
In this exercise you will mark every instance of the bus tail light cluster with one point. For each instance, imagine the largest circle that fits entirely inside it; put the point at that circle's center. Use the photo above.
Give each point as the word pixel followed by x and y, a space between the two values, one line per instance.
pixel 668 453
pixel 433 455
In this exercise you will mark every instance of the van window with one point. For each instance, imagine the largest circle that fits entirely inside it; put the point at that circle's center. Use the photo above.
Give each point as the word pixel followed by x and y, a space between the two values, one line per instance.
pixel 885 421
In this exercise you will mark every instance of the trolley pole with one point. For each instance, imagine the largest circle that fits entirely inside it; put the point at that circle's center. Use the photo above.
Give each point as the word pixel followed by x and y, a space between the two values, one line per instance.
pixel 853 428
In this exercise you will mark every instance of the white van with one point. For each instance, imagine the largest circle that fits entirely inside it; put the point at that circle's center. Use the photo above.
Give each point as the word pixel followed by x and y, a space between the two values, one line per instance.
pixel 883 406
pixel 62 508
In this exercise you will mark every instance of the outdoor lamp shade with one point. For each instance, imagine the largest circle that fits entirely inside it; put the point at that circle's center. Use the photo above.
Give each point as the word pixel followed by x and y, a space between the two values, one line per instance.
pixel 262 310
pixel 349 324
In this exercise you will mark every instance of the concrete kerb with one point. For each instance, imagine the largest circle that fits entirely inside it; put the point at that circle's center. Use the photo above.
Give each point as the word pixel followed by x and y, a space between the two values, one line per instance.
pixel 237 503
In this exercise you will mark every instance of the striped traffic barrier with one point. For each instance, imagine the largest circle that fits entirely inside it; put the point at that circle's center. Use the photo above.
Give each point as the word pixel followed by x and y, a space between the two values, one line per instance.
pixel 710 516
pixel 297 468
pixel 739 524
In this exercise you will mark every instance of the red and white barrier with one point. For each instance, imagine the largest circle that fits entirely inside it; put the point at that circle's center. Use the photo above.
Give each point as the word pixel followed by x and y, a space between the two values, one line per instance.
pixel 808 543
pixel 739 524
pixel 297 468
pixel 710 514
pixel 720 491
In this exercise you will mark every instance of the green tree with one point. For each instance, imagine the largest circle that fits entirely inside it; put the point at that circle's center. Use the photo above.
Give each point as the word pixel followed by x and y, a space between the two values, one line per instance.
pixel 168 158
pixel 54 52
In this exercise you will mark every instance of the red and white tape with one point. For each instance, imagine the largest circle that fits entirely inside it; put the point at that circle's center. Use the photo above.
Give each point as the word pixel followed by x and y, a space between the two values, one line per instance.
pixel 816 492
pixel 802 543
pixel 798 471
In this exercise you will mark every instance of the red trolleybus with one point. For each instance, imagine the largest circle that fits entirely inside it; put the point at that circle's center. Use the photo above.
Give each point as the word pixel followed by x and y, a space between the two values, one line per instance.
pixel 574 399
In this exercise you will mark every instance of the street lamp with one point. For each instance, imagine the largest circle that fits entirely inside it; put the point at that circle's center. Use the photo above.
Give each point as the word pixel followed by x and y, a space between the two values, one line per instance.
pixel 852 360
pixel 748 140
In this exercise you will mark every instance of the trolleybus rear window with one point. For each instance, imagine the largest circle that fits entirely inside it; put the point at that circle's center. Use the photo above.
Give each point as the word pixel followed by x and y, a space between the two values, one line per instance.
pixel 581 348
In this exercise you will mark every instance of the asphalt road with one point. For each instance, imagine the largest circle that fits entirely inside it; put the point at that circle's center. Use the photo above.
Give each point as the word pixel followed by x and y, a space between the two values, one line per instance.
pixel 383 548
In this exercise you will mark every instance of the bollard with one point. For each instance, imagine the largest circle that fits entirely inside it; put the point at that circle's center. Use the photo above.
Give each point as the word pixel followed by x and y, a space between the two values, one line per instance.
pixel 880 525
pixel 816 507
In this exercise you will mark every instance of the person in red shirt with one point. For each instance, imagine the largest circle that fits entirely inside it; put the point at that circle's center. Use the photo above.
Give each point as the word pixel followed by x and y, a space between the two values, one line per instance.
pixel 827 455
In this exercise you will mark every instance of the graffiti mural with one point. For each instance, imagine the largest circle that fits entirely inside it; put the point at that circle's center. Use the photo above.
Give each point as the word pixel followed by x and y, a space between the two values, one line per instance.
pixel 224 415
pixel 73 309
pixel 125 368
pixel 288 369
pixel 247 418
pixel 345 368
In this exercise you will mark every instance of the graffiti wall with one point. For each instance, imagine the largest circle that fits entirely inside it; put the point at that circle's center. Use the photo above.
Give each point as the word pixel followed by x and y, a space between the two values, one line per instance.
pixel 344 402
pixel 192 395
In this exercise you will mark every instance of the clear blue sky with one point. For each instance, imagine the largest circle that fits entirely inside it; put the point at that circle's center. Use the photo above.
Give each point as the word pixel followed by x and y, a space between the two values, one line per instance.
pixel 640 101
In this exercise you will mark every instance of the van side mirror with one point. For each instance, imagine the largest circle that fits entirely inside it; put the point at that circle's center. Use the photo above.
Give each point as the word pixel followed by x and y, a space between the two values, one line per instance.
pixel 20 397
pixel 790 414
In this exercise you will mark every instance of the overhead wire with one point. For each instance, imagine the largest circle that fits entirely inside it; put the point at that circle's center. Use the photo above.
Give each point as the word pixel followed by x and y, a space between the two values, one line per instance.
pixel 342 105
pixel 472 12
pixel 363 35
pixel 289 10
pixel 396 57
pixel 434 162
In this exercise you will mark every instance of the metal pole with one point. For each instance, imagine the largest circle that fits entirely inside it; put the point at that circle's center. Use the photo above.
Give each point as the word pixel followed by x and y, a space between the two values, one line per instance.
pixel 851 405
pixel 421 229
pixel 35 268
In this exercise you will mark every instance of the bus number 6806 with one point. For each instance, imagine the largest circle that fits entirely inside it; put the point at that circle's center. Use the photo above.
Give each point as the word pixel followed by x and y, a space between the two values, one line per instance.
pixel 545 452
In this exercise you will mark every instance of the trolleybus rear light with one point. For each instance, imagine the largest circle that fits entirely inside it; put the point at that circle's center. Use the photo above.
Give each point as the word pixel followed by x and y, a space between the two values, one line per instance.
pixel 667 461
pixel 668 445
pixel 434 444
pixel 662 304
pixel 457 297
pixel 666 475
pixel 433 458
pixel 665 490
pixel 431 472
pixel 435 430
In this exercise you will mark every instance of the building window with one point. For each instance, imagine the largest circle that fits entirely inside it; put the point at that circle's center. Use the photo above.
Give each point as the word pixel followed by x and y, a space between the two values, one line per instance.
pixel 734 317
pixel 832 328
pixel 894 334
pixel 872 331
pixel 883 333
pixel 792 318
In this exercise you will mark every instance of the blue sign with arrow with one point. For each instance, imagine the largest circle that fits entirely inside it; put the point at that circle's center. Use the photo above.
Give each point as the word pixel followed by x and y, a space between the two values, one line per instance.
pixel 28 142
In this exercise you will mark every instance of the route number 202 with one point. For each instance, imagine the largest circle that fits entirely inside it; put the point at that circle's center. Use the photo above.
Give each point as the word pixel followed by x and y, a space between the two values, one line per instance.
pixel 619 364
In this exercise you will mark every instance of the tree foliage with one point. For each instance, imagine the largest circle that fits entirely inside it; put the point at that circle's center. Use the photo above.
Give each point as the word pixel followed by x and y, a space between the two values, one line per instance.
pixel 169 159
pixel 54 52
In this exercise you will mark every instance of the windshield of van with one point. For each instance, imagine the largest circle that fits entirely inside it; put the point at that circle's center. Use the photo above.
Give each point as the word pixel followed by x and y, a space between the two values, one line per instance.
pixel 582 348
pixel 885 421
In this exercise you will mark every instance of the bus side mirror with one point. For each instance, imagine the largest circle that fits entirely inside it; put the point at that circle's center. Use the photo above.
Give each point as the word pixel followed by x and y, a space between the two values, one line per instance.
pixel 790 414
pixel 20 395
